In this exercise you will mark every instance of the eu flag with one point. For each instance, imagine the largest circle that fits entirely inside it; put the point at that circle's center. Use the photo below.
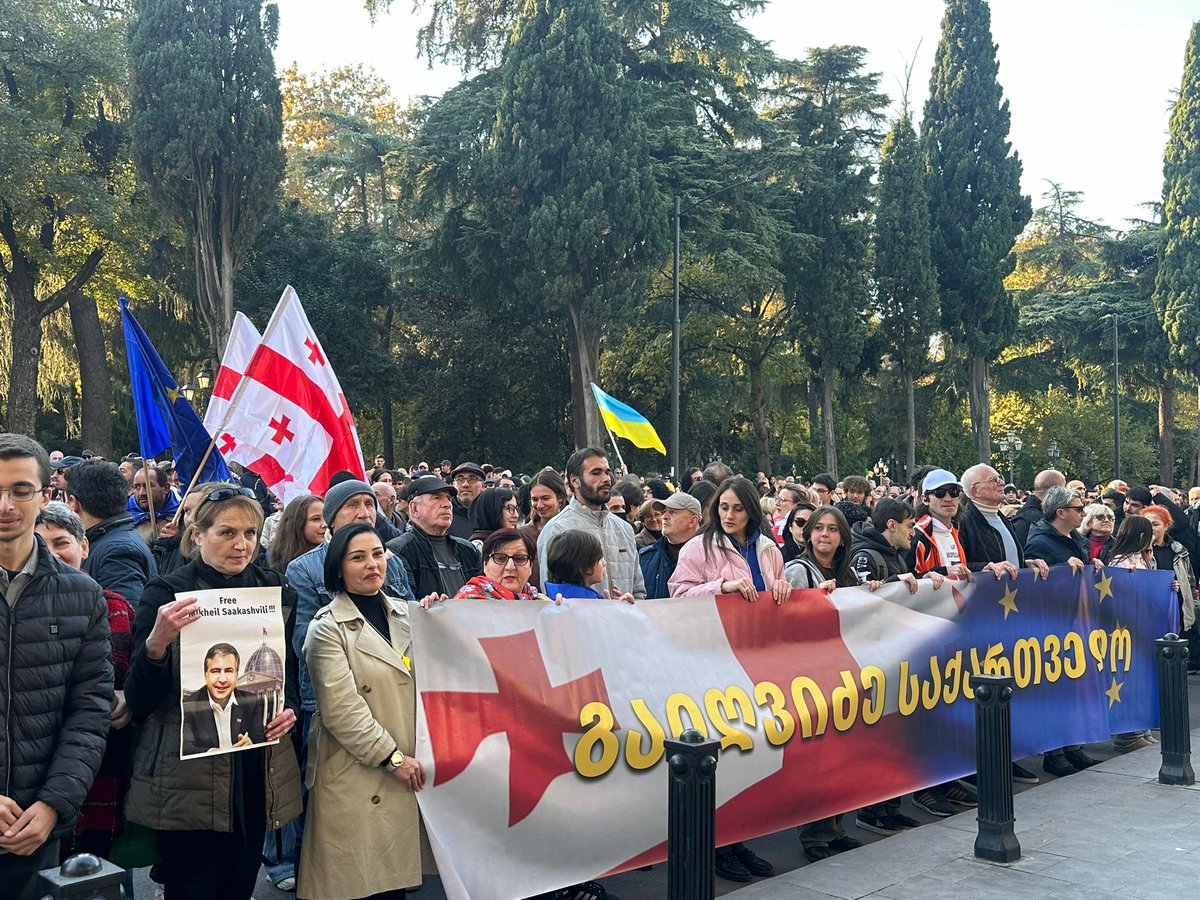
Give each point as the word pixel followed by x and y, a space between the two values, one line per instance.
pixel 165 419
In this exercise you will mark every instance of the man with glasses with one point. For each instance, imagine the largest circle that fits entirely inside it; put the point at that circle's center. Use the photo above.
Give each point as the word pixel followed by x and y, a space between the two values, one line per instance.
pixel 467 480
pixel 436 561
pixel 1031 510
pixel 1056 539
pixel 681 516
pixel 987 537
pixel 824 484
pixel 58 690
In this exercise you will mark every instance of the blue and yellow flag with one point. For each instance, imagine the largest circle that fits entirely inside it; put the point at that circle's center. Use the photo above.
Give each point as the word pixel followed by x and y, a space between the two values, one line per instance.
pixel 165 419
pixel 625 421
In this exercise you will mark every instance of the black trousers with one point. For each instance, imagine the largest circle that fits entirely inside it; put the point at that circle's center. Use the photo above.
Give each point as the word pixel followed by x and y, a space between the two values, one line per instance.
pixel 203 865
pixel 19 874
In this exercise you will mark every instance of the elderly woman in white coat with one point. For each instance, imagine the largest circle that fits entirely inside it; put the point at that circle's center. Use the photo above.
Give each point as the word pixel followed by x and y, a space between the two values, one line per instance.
pixel 363 836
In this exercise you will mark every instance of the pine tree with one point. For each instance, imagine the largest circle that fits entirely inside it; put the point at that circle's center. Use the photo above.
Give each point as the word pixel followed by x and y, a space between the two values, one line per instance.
pixel 569 186
pixel 904 275
pixel 207 120
pixel 1177 289
pixel 975 200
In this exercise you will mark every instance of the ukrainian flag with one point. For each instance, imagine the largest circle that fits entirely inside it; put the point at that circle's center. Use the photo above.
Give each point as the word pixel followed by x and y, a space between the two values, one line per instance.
pixel 625 421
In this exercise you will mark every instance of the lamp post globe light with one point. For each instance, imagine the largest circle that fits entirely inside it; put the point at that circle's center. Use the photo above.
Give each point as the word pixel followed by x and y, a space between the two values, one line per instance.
pixel 1054 453
pixel 1010 449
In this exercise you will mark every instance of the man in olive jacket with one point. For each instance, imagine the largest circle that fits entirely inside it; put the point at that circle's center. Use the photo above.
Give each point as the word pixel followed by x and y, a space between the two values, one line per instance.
pixel 57 695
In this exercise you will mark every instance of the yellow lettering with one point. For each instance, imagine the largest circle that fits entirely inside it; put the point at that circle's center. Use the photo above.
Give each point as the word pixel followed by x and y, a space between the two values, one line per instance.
pixel 874 684
pixel 845 702
pixel 954 678
pixel 679 703
pixel 1054 665
pixel 800 685
pixel 1027 662
pixel 1073 643
pixel 1098 644
pixel 722 707
pixel 996 663
pixel 931 689
pixel 1122 648
pixel 779 726
pixel 600 718
pixel 634 757
pixel 910 691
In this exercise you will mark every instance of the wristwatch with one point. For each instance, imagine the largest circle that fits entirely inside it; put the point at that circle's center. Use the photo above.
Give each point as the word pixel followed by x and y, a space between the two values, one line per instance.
pixel 394 761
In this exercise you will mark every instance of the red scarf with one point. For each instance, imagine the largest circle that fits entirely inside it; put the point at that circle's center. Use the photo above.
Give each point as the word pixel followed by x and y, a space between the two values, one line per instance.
pixel 483 588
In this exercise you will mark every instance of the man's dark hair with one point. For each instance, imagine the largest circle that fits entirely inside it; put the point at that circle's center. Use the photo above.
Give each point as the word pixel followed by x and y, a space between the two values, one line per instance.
pixel 856 483
pixel 571 554
pixel 826 479
pixel 704 491
pixel 717 472
pixel 99 487
pixel 1139 495
pixel 222 650
pixel 658 489
pixel 578 458
pixel 160 476
pixel 887 508
pixel 18 446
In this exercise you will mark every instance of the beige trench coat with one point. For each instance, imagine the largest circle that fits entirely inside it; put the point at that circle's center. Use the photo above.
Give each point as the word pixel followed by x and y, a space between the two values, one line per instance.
pixel 363 834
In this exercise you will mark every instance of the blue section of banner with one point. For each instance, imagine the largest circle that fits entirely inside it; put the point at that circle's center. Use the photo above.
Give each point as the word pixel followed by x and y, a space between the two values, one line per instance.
pixel 166 420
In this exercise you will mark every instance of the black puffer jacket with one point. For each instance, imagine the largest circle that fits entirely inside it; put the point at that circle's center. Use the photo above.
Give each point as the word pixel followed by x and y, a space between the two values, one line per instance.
pixel 56 689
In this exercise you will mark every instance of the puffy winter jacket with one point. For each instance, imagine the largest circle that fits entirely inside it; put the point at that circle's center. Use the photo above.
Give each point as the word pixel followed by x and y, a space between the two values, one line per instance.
pixel 118 558
pixel 1046 543
pixel 56 688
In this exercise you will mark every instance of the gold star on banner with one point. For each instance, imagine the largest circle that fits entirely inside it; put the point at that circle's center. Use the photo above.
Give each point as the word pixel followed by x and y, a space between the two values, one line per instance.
pixel 172 394
pixel 1114 692
pixel 1009 601
pixel 1104 586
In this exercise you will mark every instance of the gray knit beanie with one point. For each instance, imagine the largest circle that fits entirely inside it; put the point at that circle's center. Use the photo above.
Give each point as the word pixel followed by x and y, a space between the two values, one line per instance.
pixel 336 497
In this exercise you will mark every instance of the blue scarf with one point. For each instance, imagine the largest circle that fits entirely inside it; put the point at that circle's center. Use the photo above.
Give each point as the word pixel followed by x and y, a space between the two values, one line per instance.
pixel 141 515
pixel 749 552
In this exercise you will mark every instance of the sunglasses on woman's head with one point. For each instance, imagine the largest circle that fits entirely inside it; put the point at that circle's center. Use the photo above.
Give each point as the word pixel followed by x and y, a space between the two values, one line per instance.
pixel 227 493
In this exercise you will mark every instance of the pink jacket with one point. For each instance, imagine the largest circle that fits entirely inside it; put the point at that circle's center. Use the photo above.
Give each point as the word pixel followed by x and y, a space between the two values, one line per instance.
pixel 698 574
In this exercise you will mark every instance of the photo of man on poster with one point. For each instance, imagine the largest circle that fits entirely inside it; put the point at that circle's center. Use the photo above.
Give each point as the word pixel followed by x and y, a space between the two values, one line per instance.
pixel 218 717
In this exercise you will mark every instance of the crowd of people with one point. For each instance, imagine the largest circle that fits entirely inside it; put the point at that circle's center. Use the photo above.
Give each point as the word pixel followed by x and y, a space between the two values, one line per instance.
pixel 103 557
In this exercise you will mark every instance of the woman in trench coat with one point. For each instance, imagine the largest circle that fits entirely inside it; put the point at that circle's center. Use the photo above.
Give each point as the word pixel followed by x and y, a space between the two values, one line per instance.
pixel 363 836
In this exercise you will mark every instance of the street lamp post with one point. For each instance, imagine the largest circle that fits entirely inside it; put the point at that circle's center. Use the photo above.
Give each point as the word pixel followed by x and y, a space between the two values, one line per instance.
pixel 1054 453
pixel 1010 448
pixel 675 326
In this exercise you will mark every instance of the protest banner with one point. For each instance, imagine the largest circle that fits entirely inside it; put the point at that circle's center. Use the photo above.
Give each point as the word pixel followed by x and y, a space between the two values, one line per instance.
pixel 541 727
pixel 231 670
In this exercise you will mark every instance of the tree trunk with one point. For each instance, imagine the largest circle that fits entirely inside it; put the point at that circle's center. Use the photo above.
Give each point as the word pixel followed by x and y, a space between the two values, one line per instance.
pixel 23 405
pixel 814 415
pixel 1166 422
pixel 910 408
pixel 981 408
pixel 829 384
pixel 385 409
pixel 583 344
pixel 758 417
pixel 95 384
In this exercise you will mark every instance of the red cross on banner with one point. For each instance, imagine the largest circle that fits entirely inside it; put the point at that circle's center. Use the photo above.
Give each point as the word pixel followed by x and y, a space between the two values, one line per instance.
pixel 531 712
pixel 315 355
pixel 280 426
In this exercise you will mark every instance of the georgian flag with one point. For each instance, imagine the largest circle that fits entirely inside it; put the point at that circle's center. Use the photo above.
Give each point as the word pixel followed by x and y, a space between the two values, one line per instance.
pixel 243 341
pixel 288 417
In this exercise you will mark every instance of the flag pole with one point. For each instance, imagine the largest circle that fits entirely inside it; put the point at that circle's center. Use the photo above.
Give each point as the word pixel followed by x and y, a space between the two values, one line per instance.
pixel 146 464
pixel 195 477
pixel 612 437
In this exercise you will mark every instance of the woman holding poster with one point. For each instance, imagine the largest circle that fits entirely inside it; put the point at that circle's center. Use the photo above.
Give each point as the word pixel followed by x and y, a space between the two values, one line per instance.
pixel 211 808
pixel 362 835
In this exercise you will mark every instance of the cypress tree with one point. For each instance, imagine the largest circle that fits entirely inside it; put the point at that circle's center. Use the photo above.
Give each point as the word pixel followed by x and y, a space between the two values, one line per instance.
pixel 207 118
pixel 975 200
pixel 1177 288
pixel 569 186
pixel 904 275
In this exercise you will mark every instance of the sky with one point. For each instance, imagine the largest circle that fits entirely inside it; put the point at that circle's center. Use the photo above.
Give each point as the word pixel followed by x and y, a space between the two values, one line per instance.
pixel 1089 82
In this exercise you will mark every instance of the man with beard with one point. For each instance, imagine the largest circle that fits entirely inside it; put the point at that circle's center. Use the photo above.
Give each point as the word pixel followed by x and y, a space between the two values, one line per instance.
pixel 590 481
pixel 467 479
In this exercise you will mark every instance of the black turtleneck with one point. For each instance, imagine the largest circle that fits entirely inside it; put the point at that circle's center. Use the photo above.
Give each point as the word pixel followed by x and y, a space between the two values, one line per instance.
pixel 373 611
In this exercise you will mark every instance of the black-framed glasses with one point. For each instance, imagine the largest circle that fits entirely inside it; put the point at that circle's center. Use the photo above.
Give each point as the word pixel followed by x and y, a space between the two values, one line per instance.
pixel 952 490
pixel 227 493
pixel 1075 508
pixel 22 493
pixel 503 559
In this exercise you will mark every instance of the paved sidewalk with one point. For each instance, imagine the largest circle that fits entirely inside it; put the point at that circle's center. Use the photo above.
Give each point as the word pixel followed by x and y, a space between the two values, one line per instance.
pixel 1110 831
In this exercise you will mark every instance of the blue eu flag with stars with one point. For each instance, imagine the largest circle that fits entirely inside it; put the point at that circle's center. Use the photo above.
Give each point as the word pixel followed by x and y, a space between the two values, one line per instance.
pixel 165 419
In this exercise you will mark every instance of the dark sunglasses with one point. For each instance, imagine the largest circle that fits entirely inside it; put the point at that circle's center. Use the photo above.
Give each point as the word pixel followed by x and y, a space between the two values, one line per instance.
pixel 227 493
pixel 953 490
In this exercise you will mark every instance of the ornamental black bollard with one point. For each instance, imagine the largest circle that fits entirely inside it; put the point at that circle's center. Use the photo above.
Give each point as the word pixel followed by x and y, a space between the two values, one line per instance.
pixel 692 817
pixel 84 876
pixel 1173 712
pixel 996 841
